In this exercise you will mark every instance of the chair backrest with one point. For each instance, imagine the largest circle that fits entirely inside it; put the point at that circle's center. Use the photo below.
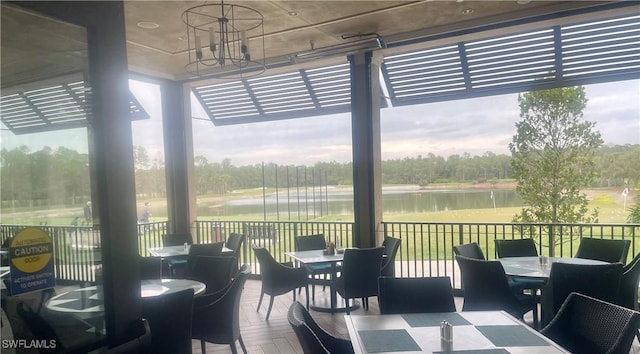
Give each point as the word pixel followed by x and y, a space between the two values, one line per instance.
pixel 313 338
pixel 469 250
pixel 234 242
pixel 176 239
pixel 360 271
pixel 310 242
pixel 486 287
pixel 525 247
pixel 603 250
pixel 587 325
pixel 600 281
pixel 169 317
pixel 267 263
pixel 202 249
pixel 415 295
pixel 391 246
pixel 628 291
pixel 218 315
pixel 308 340
pixel 150 268
pixel 215 272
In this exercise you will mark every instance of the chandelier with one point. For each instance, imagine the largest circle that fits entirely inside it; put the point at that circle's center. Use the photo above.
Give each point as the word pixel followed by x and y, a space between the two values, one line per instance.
pixel 219 38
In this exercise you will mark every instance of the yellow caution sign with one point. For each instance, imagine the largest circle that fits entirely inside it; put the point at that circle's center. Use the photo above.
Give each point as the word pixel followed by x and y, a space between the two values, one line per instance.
pixel 31 250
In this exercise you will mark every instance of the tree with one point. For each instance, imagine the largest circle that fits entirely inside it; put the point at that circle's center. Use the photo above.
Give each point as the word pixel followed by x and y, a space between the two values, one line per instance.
pixel 553 156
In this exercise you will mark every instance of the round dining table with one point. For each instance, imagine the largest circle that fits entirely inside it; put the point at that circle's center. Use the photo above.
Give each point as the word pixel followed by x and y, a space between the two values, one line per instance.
pixel 89 299
pixel 538 267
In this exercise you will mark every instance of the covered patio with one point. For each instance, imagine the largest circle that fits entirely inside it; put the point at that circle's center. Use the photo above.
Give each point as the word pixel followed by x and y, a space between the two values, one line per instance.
pixel 432 51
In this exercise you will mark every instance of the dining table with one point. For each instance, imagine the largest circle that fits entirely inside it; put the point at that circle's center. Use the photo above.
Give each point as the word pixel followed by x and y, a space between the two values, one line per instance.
pixel 176 251
pixel 89 299
pixel 333 258
pixel 538 267
pixel 472 332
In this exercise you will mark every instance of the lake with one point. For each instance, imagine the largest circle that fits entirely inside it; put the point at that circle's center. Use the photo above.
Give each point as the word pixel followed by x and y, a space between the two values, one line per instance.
pixel 312 203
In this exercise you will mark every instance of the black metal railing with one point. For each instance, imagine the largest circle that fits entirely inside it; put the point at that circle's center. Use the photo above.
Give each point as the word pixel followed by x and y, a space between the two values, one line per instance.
pixel 426 248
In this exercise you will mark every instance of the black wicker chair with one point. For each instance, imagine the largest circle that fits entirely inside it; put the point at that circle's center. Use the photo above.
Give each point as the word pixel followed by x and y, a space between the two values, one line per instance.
pixel 359 276
pixel 279 278
pixel 590 326
pixel 415 295
pixel 201 249
pixel 486 288
pixel 313 338
pixel 150 267
pixel 469 250
pixel 215 272
pixel 391 246
pixel 216 317
pixel 600 281
pixel 525 247
pixel 603 250
pixel 628 291
pixel 169 317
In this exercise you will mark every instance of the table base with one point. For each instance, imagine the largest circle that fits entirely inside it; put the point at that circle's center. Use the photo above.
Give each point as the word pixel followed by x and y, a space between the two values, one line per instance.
pixel 324 305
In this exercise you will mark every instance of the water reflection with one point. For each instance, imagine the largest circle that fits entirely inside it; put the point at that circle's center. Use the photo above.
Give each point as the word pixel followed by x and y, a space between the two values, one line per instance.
pixel 331 201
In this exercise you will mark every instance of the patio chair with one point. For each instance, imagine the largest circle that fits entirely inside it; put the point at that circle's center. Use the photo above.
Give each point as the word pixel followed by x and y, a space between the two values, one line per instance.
pixel 202 249
pixel 587 325
pixel 359 276
pixel 600 281
pixel 313 338
pixel 603 250
pixel 169 317
pixel 628 291
pixel 234 242
pixel 216 317
pixel 279 278
pixel 391 246
pixel 525 247
pixel 215 272
pixel 150 267
pixel 415 295
pixel 486 288
pixel 469 250
pixel 310 243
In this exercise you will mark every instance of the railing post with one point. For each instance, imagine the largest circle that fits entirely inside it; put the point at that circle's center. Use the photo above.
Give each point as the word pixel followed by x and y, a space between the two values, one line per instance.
pixel 551 240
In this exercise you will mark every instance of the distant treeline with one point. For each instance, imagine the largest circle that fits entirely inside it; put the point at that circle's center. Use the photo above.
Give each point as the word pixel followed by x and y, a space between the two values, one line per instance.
pixel 61 176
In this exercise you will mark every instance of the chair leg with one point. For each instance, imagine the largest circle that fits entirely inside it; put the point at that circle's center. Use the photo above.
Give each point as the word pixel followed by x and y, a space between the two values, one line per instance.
pixel 270 306
pixel 346 301
pixel 260 302
pixel 313 292
pixel 234 350
pixel 244 349
pixel 306 290
pixel 203 346
pixel 294 295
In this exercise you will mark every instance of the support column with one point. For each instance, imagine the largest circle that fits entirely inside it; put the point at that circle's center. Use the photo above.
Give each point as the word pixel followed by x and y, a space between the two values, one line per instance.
pixel 365 130
pixel 178 143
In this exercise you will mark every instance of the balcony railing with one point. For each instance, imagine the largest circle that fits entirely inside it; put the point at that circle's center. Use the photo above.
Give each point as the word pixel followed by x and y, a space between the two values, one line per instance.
pixel 426 248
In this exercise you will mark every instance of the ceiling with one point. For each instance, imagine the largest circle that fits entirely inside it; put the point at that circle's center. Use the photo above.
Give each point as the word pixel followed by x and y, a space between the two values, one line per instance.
pixel 28 41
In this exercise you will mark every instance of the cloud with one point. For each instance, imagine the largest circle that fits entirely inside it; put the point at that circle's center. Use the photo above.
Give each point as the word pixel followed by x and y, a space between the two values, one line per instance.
pixel 473 126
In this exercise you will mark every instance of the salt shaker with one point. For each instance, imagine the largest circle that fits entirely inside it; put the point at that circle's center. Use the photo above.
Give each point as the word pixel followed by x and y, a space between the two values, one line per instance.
pixel 186 247
pixel 446 336
pixel 446 331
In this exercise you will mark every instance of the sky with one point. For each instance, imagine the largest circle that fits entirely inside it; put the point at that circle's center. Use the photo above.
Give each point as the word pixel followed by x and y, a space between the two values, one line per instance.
pixel 473 126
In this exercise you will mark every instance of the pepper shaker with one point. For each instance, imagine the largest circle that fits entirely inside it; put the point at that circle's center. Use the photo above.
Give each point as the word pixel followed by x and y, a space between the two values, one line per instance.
pixel 186 247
